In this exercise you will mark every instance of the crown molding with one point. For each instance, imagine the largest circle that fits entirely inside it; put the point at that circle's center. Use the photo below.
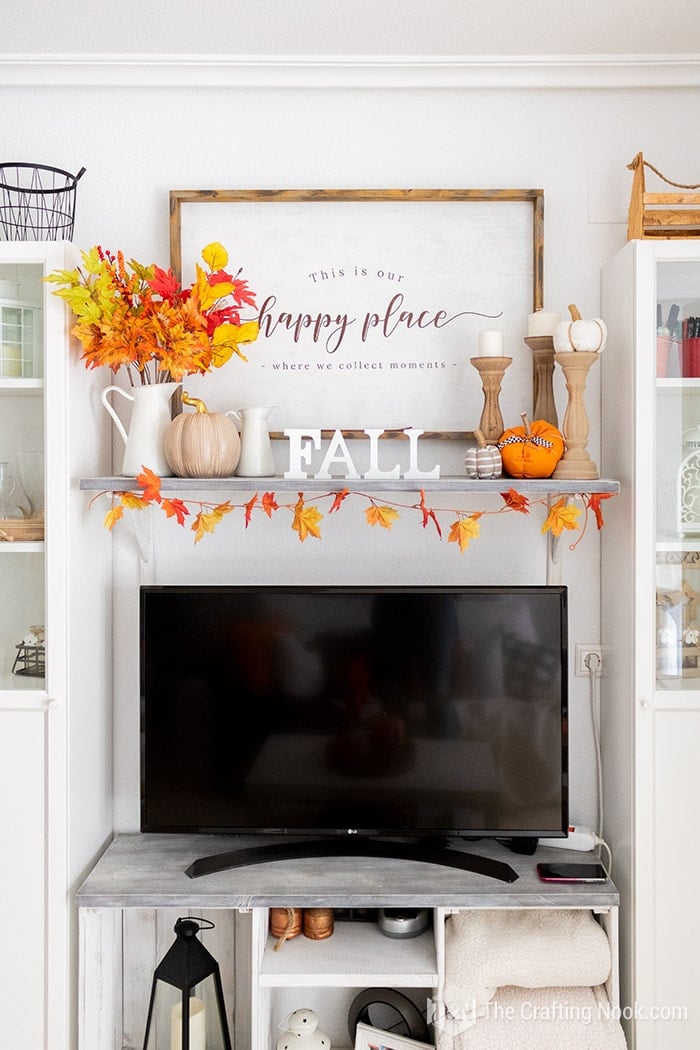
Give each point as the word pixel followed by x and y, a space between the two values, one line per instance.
pixel 351 71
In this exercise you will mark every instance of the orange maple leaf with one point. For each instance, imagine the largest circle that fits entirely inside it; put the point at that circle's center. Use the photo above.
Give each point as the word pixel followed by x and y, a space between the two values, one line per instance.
pixel 339 497
pixel 561 517
pixel 384 516
pixel 113 516
pixel 175 508
pixel 207 521
pixel 515 501
pixel 306 520
pixel 428 513
pixel 249 509
pixel 269 503
pixel 150 484
pixel 464 530
pixel 594 501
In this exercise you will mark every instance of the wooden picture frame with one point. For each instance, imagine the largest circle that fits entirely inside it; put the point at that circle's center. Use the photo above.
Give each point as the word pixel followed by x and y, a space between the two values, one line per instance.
pixel 368 299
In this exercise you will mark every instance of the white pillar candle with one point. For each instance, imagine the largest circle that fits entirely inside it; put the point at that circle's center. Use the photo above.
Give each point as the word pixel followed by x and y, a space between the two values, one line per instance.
pixel 490 343
pixel 542 322
pixel 198 1027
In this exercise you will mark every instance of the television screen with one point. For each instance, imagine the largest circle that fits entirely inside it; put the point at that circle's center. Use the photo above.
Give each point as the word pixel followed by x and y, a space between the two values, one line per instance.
pixel 408 711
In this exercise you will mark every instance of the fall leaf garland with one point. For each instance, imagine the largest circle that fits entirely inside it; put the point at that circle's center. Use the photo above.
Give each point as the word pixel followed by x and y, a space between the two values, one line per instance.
pixel 562 515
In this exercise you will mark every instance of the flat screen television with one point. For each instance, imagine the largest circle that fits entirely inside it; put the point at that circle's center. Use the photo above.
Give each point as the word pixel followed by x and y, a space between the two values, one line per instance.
pixel 377 713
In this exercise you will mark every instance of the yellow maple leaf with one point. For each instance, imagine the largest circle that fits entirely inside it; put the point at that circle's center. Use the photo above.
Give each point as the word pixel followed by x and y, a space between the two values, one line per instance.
pixel 215 256
pixel 306 520
pixel 113 516
pixel 464 530
pixel 561 517
pixel 384 516
pixel 133 501
pixel 206 521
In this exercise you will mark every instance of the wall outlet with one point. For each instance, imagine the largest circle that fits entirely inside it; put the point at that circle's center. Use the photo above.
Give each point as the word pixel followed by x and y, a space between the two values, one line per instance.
pixel 581 655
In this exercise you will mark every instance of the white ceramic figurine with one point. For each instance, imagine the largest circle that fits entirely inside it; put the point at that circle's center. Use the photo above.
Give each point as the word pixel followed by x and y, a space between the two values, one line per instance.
pixel 303 1033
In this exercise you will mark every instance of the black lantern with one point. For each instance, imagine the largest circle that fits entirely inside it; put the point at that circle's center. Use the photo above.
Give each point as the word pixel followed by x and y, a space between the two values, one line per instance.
pixel 179 1019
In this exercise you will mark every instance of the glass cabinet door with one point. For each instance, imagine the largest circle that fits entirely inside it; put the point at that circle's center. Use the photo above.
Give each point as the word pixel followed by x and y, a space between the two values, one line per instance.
pixel 677 326
pixel 22 570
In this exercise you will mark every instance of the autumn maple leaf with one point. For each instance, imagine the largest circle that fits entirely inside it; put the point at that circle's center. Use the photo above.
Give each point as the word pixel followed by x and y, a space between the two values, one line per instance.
pixel 249 509
pixel 561 517
pixel 464 530
pixel 242 293
pixel 164 283
pixel 428 514
pixel 269 503
pixel 113 516
pixel 594 501
pixel 175 508
pixel 133 501
pixel 514 501
pixel 384 516
pixel 150 485
pixel 206 521
pixel 306 520
pixel 339 497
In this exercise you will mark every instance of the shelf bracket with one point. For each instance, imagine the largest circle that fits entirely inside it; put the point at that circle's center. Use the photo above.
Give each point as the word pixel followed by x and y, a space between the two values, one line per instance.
pixel 141 524
pixel 554 551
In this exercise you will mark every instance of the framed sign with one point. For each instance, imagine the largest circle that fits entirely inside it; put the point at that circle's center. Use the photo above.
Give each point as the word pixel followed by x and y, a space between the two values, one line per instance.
pixel 371 301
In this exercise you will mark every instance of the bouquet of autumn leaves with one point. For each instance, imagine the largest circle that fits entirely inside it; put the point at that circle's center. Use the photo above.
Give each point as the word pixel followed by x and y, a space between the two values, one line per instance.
pixel 139 317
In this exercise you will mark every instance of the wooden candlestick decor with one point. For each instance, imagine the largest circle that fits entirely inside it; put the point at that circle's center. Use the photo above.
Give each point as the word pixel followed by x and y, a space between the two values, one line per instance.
pixel 576 463
pixel 542 347
pixel 491 370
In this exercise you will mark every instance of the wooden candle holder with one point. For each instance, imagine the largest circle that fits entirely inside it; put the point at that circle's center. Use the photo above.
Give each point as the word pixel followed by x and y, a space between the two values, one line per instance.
pixel 491 370
pixel 542 347
pixel 576 463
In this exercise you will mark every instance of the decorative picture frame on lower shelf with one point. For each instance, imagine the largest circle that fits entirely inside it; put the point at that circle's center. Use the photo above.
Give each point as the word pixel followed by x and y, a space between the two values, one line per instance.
pixel 368 1038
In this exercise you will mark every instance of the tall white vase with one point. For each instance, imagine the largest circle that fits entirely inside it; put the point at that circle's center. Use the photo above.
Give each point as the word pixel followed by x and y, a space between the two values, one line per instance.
pixel 150 418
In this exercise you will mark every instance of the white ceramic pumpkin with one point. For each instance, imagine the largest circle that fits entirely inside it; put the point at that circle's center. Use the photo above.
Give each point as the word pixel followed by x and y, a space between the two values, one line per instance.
pixel 580 333
pixel 201 444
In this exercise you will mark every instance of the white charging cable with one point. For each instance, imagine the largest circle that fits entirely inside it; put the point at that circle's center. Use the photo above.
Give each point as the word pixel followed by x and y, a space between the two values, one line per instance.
pixel 593 663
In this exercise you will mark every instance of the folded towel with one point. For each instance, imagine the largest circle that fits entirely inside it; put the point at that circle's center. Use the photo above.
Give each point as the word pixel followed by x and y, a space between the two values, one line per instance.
pixel 540 1019
pixel 531 948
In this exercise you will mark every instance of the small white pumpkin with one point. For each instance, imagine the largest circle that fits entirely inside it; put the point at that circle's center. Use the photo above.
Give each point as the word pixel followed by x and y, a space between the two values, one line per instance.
pixel 580 333
pixel 484 461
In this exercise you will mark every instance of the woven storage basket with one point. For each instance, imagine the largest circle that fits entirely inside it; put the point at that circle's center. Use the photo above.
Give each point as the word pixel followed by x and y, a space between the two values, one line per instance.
pixel 12 529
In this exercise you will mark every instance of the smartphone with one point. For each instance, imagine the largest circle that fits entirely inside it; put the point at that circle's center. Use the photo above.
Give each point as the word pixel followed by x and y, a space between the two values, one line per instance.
pixel 571 872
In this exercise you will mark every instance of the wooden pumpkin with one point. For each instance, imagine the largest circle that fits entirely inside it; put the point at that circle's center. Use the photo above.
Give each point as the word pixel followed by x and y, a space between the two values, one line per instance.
pixel 580 333
pixel 483 461
pixel 532 450
pixel 201 444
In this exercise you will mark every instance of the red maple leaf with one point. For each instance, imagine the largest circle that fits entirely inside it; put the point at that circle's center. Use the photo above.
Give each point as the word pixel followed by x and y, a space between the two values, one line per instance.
pixel 150 485
pixel 339 497
pixel 249 509
pixel 226 315
pixel 594 501
pixel 242 293
pixel 164 283
pixel 175 508
pixel 269 503
pixel 515 501
pixel 428 513
pixel 219 277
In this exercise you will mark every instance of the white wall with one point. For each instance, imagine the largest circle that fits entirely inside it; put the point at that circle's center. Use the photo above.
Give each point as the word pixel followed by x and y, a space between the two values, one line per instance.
pixel 137 143
pixel 442 27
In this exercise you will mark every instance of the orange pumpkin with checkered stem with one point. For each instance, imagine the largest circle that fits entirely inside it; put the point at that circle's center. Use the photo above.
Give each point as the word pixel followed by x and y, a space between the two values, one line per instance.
pixel 532 450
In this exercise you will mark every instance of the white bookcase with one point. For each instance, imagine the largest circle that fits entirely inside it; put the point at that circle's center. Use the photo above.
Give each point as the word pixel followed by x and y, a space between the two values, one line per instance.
pixel 55 778
pixel 651 682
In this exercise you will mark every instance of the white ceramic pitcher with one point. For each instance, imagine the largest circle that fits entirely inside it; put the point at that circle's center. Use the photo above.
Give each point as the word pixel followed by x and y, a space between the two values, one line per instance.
pixel 256 459
pixel 150 418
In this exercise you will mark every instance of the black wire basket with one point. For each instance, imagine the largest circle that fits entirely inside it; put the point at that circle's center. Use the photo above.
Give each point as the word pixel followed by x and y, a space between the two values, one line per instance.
pixel 37 203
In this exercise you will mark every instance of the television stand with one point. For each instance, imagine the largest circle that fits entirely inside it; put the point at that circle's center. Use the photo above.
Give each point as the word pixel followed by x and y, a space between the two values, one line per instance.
pixel 428 851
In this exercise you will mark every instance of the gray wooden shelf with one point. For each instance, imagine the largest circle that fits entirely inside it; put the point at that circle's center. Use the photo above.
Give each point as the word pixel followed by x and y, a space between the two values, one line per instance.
pixel 148 871
pixel 541 486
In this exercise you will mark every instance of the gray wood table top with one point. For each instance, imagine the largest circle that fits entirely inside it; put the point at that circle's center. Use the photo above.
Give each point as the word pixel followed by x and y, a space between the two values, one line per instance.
pixel 149 871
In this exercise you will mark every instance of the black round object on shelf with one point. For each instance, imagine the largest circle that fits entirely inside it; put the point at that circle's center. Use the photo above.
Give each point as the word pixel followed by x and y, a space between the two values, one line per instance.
pixel 387 1009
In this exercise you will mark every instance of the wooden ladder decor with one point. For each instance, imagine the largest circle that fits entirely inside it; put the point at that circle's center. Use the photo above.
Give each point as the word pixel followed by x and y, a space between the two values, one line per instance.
pixel 668 221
